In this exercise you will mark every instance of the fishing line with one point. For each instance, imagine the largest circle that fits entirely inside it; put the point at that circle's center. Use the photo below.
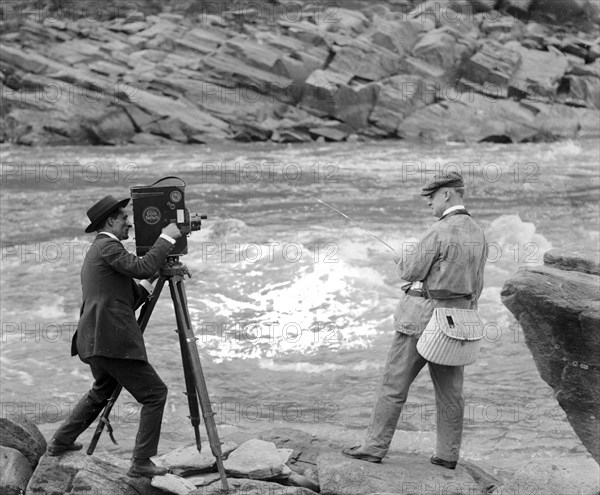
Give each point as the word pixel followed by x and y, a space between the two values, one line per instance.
pixel 357 223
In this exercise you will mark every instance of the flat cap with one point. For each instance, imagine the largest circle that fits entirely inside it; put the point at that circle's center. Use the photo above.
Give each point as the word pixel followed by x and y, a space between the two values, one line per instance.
pixel 451 179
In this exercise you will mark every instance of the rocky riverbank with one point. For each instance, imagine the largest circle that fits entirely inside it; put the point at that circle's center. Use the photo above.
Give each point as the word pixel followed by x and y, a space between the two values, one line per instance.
pixel 557 305
pixel 479 70
pixel 279 461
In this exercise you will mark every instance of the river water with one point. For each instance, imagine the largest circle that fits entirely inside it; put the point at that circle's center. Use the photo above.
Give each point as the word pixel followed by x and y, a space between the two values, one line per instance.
pixel 291 302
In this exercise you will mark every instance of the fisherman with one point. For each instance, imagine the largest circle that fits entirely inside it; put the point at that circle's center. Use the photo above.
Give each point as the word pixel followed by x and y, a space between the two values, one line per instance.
pixel 444 270
pixel 108 337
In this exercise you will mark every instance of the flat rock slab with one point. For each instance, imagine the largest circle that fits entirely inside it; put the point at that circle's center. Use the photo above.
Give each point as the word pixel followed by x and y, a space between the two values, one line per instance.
pixel 397 474
pixel 173 484
pixel 306 446
pixel 203 479
pixel 242 486
pixel 256 459
pixel 582 260
pixel 189 459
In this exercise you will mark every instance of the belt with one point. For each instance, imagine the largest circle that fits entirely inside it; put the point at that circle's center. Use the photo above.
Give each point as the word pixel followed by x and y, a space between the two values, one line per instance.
pixel 416 293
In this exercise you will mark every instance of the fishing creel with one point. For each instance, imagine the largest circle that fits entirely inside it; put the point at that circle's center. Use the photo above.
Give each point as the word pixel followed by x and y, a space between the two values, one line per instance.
pixel 452 337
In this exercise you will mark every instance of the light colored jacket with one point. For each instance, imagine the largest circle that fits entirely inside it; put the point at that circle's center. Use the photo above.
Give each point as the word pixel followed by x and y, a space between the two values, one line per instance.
pixel 449 260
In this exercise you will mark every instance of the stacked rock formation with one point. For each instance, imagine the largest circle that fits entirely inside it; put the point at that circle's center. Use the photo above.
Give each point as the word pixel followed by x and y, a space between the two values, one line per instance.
pixel 463 71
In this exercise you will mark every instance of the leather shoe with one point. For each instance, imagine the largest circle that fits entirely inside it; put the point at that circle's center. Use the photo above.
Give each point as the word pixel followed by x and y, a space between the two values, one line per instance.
pixel 354 453
pixel 441 462
pixel 55 448
pixel 145 467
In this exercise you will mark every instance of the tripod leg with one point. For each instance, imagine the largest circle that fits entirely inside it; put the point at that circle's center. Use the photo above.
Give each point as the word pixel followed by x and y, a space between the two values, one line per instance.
pixel 188 341
pixel 190 387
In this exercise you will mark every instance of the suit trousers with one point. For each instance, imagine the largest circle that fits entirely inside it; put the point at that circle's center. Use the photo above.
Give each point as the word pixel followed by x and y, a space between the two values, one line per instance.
pixel 141 380
pixel 403 365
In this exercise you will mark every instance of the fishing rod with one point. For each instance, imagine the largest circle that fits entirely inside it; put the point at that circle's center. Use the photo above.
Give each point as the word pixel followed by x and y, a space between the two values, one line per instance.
pixel 352 220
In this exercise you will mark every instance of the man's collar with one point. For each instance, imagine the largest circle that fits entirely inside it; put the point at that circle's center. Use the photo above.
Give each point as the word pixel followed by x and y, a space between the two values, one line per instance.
pixel 453 208
pixel 109 234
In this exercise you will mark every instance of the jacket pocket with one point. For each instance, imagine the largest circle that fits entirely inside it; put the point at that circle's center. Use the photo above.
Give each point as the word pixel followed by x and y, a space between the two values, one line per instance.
pixel 412 314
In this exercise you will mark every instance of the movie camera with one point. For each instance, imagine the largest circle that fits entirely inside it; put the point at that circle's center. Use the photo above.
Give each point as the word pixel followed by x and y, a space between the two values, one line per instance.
pixel 157 205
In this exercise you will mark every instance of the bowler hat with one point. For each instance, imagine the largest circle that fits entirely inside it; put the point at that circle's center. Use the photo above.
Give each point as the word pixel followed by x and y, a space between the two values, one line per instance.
pixel 451 179
pixel 102 209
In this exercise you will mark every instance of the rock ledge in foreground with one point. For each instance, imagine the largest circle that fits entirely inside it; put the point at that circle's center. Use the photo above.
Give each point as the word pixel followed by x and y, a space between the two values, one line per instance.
pixel 558 307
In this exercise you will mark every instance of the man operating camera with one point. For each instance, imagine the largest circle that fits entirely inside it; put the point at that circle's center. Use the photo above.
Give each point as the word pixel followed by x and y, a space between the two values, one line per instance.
pixel 108 337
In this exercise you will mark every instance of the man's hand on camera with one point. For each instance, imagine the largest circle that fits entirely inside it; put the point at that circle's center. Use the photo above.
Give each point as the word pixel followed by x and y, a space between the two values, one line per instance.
pixel 172 231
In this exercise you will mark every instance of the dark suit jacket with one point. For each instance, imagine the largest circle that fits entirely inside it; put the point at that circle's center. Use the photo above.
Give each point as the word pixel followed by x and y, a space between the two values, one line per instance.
pixel 107 324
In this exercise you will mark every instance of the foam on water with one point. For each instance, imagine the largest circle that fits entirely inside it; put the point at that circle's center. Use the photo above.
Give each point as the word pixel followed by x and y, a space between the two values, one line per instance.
pixel 310 309
pixel 304 367
pixel 514 242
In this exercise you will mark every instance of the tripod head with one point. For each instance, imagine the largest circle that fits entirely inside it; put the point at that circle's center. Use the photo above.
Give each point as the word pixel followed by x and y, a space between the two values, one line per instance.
pixel 174 268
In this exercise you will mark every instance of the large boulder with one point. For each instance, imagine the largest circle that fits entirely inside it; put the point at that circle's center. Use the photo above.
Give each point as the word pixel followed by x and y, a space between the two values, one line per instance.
pixel 366 61
pixel 114 127
pixel 563 121
pixel 493 64
pixel 226 69
pixel 582 13
pixel 195 119
pixel 470 117
pixel 446 48
pixel 18 433
pixel 339 20
pixel 582 91
pixel 397 37
pixel 77 473
pixel 558 309
pixel 44 110
pixel 539 73
pixel 15 471
pixel 326 93
pixel 398 97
